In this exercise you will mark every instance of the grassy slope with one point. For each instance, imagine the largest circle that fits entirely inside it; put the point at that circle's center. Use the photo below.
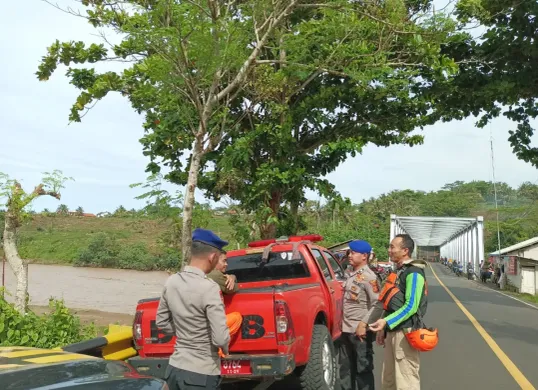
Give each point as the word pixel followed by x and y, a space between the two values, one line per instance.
pixel 60 239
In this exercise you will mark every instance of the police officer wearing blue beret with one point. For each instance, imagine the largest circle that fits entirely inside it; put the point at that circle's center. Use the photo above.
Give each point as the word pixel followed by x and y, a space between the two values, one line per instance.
pixel 361 290
pixel 191 308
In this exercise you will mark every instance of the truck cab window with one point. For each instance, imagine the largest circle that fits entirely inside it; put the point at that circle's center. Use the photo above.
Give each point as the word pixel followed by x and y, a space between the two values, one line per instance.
pixel 323 265
pixel 280 265
pixel 338 271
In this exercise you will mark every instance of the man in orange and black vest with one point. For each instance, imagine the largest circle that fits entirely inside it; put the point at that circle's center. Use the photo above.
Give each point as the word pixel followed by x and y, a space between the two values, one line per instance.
pixel 404 300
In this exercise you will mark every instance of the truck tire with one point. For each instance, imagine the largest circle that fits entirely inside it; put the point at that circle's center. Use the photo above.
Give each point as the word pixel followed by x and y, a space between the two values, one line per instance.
pixel 321 371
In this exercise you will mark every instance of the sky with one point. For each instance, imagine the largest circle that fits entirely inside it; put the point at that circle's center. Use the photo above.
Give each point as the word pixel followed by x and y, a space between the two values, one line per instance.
pixel 104 156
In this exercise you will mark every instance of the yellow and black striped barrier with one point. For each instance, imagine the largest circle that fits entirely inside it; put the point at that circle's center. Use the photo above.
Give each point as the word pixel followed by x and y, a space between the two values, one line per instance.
pixel 116 345
pixel 15 357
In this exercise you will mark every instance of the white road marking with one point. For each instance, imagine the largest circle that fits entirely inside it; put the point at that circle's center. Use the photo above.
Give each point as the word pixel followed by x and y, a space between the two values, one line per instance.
pixel 507 295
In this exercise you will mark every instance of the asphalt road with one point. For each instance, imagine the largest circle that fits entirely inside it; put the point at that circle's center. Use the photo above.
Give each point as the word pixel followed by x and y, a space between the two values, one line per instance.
pixel 463 360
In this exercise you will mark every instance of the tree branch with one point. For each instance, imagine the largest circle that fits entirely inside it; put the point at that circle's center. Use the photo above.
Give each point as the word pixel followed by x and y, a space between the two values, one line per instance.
pixel 194 3
pixel 242 74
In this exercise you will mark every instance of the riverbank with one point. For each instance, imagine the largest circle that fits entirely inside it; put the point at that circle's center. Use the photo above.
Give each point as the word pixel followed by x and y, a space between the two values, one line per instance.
pixel 101 319
pixel 90 289
pixel 57 239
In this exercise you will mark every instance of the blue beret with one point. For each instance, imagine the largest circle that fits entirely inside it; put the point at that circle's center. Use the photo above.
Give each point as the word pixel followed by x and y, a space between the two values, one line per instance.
pixel 209 238
pixel 360 246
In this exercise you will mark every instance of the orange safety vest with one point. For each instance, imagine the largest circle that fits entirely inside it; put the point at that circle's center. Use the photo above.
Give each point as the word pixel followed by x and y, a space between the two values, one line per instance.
pixel 390 289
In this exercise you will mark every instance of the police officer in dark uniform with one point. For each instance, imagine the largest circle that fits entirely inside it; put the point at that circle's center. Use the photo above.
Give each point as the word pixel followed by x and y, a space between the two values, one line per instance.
pixel 191 308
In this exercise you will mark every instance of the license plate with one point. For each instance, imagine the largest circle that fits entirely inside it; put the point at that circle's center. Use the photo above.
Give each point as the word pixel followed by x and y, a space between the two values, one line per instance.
pixel 235 367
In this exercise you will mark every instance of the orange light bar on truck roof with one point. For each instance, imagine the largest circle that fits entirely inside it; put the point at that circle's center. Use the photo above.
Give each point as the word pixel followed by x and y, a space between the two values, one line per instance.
pixel 308 237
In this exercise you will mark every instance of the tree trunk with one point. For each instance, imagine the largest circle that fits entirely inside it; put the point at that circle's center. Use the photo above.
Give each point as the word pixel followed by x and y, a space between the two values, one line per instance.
pixel 19 266
pixel 294 210
pixel 268 230
pixel 188 205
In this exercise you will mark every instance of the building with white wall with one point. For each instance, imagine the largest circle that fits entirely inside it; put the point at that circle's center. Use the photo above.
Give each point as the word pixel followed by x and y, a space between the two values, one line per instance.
pixel 520 265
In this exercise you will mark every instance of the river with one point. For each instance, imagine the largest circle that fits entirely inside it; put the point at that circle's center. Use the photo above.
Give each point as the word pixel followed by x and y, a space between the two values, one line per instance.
pixel 104 289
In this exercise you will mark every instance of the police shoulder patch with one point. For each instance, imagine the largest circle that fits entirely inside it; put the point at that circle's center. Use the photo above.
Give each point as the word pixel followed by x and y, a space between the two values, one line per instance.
pixel 375 285
pixel 359 278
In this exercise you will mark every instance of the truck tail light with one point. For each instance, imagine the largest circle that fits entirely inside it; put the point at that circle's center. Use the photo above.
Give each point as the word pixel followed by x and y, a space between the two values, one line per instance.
pixel 285 333
pixel 137 328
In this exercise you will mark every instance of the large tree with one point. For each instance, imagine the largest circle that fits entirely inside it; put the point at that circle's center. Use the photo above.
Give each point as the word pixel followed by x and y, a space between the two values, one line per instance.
pixel 258 77
pixel 298 121
pixel 497 72
pixel 17 203
pixel 189 61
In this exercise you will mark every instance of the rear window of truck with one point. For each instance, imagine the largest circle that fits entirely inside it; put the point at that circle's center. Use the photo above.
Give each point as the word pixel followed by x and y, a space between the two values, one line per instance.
pixel 249 268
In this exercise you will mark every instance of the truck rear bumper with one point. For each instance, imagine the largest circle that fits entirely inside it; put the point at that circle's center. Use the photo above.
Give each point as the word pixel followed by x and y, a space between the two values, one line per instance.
pixel 262 366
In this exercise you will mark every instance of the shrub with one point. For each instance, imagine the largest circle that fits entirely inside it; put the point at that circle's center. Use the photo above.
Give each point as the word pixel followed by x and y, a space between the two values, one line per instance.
pixel 102 251
pixel 135 256
pixel 56 328
pixel 169 261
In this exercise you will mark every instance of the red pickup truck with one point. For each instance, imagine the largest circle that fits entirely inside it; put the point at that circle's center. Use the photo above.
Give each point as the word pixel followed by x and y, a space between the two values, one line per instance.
pixel 291 298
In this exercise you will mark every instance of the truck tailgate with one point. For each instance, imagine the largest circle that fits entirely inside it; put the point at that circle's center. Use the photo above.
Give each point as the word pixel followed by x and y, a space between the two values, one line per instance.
pixel 257 333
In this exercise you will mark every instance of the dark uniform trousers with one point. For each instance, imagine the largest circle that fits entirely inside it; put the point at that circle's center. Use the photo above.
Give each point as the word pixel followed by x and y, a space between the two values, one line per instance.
pixel 357 362
pixel 178 379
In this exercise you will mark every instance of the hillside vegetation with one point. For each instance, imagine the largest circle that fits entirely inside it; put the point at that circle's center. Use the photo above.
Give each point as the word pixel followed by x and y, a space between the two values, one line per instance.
pixel 149 240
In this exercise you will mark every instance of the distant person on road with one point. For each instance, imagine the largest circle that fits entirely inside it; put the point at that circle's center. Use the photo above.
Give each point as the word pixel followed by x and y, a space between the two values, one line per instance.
pixel 502 278
pixel 191 308
pixel 497 275
pixel 402 361
pixel 360 294
pixel 484 271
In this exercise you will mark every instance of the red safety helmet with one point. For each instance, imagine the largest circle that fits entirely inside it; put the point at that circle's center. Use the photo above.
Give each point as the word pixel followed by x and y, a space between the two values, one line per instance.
pixel 424 339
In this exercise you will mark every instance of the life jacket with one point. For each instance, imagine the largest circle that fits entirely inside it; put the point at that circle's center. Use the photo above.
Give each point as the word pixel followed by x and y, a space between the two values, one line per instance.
pixel 392 294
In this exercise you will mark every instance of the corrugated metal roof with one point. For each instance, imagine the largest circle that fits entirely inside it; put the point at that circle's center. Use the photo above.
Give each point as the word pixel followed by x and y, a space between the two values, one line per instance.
pixel 515 247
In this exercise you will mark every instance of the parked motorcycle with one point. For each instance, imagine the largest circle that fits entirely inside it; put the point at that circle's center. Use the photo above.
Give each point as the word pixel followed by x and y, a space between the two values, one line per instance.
pixel 470 273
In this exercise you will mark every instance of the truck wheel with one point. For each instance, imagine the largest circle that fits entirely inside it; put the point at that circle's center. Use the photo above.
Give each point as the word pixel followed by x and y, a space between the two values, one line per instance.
pixel 321 371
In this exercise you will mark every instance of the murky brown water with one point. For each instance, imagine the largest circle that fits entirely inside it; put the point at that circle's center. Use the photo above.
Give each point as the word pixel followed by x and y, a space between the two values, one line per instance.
pixel 110 290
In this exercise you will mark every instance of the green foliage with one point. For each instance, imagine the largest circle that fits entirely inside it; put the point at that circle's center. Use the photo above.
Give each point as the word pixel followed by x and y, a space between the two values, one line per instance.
pixel 527 297
pixel 344 84
pixel 105 251
pixel 167 207
pixel 495 69
pixel 102 251
pixel 79 211
pixel 62 209
pixel 242 224
pixel 56 328
pixel 271 95
pixel 18 201
pixel 120 212
pixel 339 221
pixel 59 239
pixel 370 220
